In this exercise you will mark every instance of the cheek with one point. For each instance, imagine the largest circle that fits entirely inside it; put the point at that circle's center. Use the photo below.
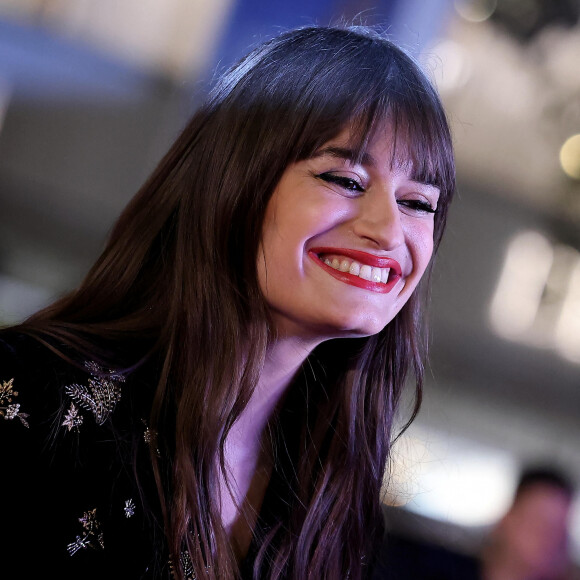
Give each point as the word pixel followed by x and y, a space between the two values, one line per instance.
pixel 278 266
pixel 421 246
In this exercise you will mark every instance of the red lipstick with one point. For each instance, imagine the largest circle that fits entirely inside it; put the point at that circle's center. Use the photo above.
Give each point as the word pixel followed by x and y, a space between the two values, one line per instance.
pixel 365 259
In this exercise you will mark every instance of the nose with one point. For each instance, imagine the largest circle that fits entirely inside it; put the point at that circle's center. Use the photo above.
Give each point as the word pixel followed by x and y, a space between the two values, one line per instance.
pixel 379 221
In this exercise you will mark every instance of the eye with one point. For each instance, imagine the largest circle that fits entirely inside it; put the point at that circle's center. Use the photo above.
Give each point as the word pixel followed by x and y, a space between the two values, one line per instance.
pixel 350 184
pixel 417 205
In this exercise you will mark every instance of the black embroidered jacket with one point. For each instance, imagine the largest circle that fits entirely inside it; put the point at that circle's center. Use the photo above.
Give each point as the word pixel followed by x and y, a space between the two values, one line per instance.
pixel 77 493
pixel 72 504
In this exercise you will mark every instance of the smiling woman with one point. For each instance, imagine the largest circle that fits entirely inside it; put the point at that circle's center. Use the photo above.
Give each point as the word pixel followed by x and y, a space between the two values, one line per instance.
pixel 218 397
pixel 367 224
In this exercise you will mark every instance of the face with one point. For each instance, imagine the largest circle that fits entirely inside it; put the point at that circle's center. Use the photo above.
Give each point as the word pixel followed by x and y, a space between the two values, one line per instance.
pixel 344 243
pixel 535 530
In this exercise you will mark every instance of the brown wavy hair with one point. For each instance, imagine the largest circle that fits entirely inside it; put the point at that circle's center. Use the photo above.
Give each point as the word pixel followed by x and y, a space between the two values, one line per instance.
pixel 179 269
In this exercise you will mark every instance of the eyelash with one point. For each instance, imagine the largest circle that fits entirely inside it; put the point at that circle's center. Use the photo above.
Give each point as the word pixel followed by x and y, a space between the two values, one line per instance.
pixel 417 205
pixel 353 186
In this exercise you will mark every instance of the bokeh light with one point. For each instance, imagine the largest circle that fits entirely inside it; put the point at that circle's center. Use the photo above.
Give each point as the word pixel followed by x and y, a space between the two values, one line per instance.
pixel 475 10
pixel 570 157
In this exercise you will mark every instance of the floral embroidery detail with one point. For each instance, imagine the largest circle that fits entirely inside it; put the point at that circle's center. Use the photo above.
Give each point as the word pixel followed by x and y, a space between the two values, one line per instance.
pixel 72 419
pixel 7 391
pixel 12 410
pixel 92 536
pixel 129 508
pixel 100 397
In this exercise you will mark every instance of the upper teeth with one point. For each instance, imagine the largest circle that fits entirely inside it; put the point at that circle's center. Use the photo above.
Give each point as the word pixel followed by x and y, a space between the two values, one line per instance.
pixel 357 269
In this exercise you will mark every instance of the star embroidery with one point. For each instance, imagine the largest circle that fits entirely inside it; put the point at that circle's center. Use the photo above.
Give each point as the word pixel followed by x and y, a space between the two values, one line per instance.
pixel 129 508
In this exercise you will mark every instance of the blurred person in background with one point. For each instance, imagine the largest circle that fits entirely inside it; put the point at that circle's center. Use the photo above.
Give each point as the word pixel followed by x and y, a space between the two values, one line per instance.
pixel 530 542
pixel 218 397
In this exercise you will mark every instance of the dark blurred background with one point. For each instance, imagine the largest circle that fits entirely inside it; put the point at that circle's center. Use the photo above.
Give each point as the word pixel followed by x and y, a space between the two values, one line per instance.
pixel 92 92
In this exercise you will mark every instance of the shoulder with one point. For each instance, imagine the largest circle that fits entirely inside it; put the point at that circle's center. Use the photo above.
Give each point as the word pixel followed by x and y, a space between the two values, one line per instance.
pixel 18 351
pixel 26 372
pixel 39 382
pixel 53 409
pixel 66 435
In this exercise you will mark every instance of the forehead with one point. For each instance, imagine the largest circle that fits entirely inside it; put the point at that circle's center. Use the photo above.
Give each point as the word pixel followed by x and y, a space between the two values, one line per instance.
pixel 544 496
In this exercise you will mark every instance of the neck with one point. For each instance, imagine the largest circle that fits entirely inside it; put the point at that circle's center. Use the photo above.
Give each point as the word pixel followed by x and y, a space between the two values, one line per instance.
pixel 283 360
pixel 247 457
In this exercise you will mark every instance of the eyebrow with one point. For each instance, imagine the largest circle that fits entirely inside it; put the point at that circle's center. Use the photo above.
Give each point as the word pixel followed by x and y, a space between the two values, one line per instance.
pixel 365 158
pixel 346 154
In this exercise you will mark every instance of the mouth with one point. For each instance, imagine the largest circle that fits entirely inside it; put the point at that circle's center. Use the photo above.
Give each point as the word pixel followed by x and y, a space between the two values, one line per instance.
pixel 374 273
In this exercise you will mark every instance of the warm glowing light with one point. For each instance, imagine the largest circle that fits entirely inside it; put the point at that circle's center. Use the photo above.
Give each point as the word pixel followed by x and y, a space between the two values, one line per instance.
pixel 568 326
pixel 457 480
pixel 402 476
pixel 519 291
pixel 451 66
pixel 473 490
pixel 475 10
pixel 570 157
pixel 537 300
pixel 453 479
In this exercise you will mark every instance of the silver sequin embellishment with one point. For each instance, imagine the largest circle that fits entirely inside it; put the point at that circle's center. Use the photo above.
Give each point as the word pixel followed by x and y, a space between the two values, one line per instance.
pixel 129 508
pixel 186 566
pixel 78 544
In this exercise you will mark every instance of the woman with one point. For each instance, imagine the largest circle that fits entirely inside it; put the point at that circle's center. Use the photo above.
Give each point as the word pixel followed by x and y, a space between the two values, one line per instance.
pixel 258 304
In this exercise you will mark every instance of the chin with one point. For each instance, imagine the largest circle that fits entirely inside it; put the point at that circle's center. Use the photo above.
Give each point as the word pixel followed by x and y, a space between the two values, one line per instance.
pixel 360 328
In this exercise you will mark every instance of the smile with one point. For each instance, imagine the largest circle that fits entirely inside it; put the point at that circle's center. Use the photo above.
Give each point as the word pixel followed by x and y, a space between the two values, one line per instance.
pixel 368 271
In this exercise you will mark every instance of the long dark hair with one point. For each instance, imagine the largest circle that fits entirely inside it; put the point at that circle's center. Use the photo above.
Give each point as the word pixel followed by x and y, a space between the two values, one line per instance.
pixel 179 270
